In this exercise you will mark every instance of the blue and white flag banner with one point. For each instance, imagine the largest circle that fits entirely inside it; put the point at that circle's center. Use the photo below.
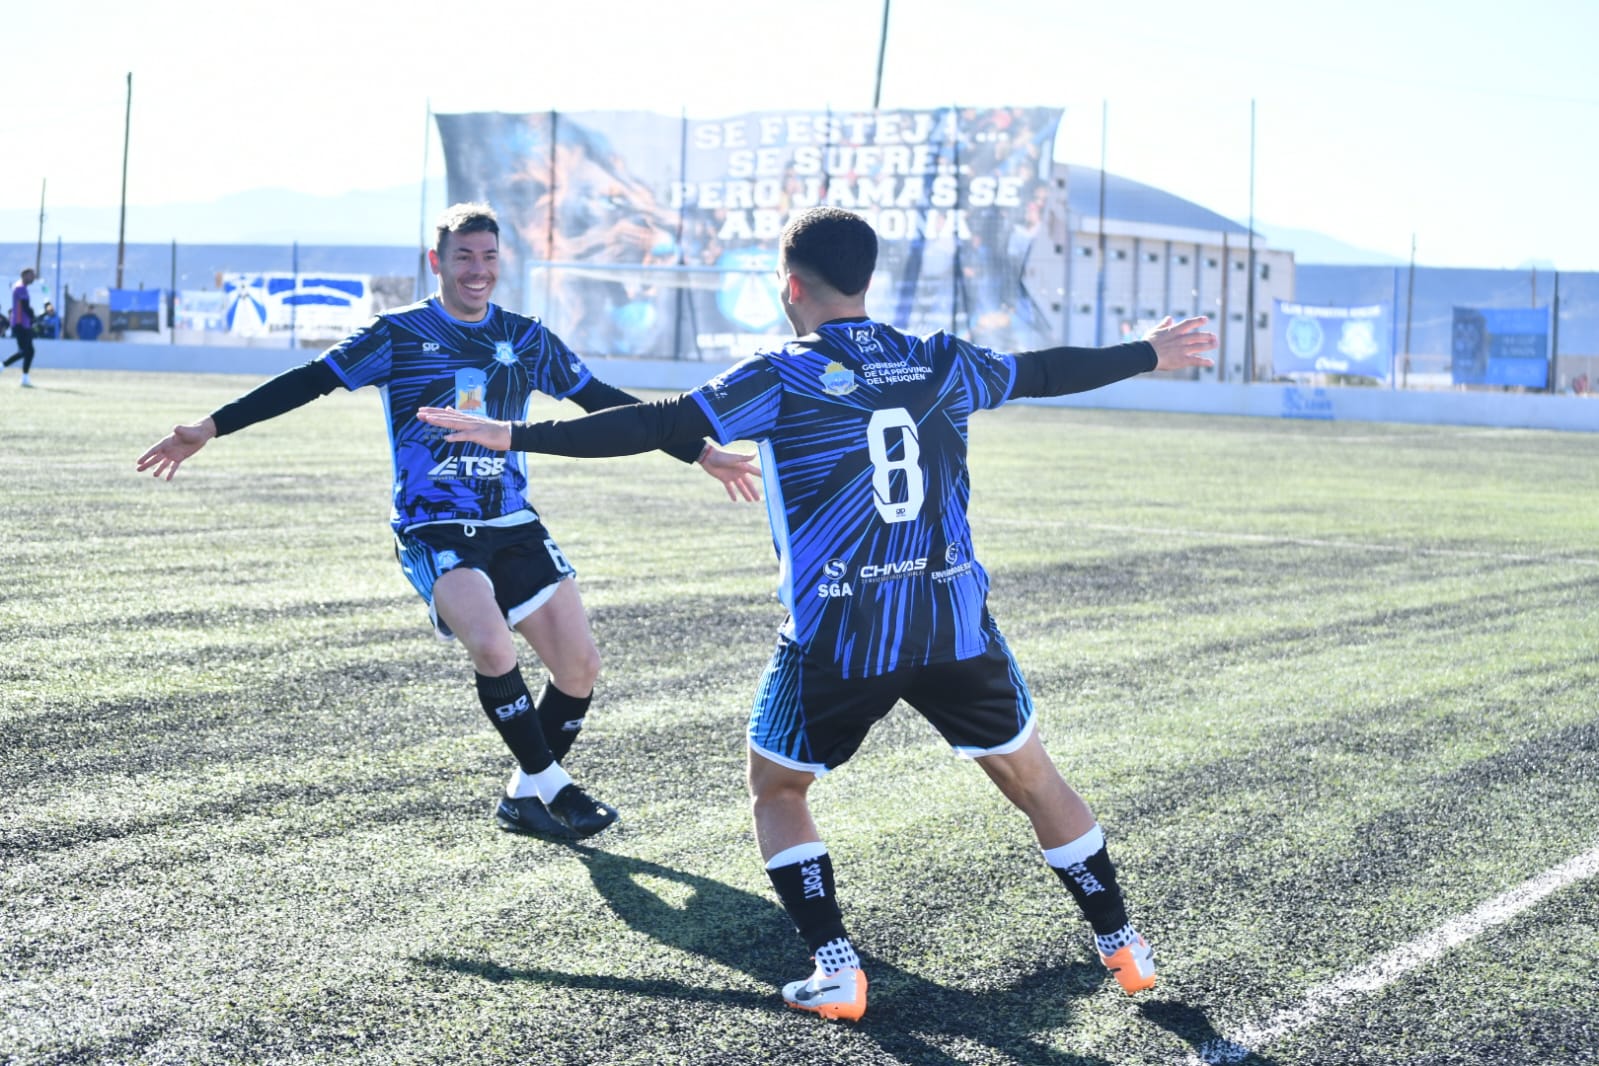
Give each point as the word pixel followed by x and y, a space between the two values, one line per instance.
pixel 1310 339
pixel 311 305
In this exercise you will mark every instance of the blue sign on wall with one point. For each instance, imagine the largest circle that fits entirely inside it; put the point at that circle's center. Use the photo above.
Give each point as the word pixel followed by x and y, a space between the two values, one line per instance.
pixel 1332 340
pixel 135 309
pixel 1501 346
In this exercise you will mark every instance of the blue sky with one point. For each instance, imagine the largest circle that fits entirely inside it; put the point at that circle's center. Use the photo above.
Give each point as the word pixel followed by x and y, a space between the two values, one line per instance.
pixel 1468 124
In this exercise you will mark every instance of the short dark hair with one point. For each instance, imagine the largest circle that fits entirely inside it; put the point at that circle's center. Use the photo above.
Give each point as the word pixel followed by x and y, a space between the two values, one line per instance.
pixel 476 217
pixel 835 245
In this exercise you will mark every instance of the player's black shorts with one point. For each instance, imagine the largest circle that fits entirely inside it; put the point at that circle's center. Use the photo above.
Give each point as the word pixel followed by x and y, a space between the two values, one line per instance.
pixel 521 562
pixel 806 717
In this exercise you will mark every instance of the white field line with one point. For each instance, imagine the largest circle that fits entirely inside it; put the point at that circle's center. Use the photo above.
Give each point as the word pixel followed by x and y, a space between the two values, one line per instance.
pixel 1389 967
pixel 1306 542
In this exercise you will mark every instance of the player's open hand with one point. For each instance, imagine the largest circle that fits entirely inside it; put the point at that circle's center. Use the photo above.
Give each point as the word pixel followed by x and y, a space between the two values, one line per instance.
pixel 168 453
pixel 737 473
pixel 1179 345
pixel 469 428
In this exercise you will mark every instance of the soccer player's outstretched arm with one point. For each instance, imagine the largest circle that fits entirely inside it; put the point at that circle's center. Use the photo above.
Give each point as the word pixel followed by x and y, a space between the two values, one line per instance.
pixel 290 389
pixel 616 431
pixel 737 472
pixel 1058 371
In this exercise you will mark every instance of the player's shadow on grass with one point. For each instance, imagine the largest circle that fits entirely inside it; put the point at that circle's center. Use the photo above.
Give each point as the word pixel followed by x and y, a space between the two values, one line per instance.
pixel 1191 1024
pixel 909 1015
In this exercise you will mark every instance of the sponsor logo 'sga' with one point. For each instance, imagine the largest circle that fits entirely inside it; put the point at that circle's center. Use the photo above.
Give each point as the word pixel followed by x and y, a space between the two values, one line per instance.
pixel 834 569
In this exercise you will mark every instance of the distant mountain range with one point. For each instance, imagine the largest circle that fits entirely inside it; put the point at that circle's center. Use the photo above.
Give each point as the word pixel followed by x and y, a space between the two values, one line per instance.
pixel 1310 246
pixel 396 216
pixel 259 216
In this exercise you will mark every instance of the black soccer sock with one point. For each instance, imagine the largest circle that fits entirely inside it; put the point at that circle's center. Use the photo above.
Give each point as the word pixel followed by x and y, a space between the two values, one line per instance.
pixel 1091 880
pixel 561 717
pixel 509 706
pixel 806 891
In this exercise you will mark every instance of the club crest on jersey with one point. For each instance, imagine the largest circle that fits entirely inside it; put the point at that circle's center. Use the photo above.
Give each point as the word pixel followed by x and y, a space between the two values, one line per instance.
pixel 504 353
pixel 469 387
pixel 837 379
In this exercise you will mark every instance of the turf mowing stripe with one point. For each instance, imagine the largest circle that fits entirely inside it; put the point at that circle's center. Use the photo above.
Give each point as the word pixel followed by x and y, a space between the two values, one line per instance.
pixel 1303 542
pixel 1387 968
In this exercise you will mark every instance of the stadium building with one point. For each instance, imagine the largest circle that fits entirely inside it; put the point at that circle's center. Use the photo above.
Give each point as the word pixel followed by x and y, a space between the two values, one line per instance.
pixel 1159 254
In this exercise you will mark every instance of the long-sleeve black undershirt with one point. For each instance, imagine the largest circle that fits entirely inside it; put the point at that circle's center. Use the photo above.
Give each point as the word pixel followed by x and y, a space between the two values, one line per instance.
pixel 595 395
pixel 679 420
pixel 300 385
pixel 293 388
pixel 1062 371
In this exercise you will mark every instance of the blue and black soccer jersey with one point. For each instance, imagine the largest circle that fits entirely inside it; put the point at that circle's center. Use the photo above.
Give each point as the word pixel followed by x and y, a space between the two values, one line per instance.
pixel 862 432
pixel 420 356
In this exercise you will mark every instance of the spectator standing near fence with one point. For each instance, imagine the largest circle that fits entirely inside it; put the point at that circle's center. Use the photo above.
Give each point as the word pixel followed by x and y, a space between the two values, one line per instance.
pixel 863 434
pixel 49 325
pixel 466 536
pixel 21 320
pixel 89 327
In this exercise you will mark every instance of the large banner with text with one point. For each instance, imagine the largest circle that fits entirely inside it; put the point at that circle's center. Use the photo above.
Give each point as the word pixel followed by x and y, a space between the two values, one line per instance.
pixel 1500 346
pixel 633 233
pixel 1309 339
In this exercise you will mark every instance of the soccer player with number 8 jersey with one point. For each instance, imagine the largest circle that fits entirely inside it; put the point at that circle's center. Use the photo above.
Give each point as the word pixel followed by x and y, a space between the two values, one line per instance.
pixel 862 431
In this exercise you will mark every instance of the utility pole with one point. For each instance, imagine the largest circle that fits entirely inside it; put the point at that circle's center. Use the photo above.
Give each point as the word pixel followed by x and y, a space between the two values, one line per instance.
pixel 1410 293
pixel 38 248
pixel 1099 283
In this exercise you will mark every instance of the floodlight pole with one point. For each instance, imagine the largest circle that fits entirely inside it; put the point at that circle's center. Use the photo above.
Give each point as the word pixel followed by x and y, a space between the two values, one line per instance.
pixel 1249 297
pixel 122 216
pixel 422 242
pixel 882 48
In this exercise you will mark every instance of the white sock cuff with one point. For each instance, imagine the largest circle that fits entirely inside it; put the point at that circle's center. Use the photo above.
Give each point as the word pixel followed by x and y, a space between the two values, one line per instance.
pixel 520 786
pixel 1075 851
pixel 544 784
pixel 815 849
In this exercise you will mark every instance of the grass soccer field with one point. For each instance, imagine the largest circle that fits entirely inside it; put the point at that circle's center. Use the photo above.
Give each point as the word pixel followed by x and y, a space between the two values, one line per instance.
pixel 1332 689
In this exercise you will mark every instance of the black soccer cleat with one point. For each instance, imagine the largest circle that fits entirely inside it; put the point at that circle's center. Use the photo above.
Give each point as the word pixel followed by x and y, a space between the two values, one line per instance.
pixel 580 813
pixel 529 815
